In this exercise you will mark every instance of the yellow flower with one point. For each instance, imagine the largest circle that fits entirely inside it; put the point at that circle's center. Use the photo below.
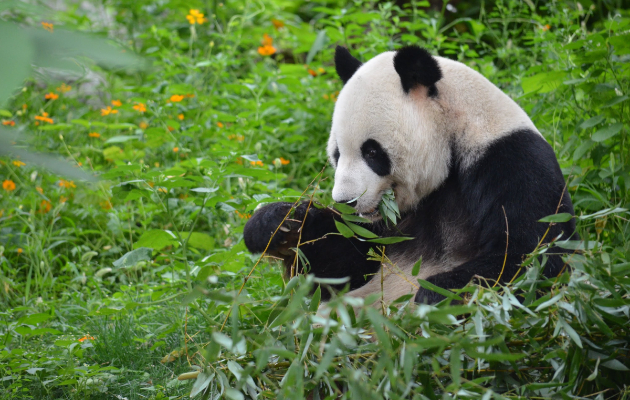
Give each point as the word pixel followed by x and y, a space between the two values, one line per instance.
pixel 267 48
pixel 106 205
pixel 64 88
pixel 143 125
pixel 8 122
pixel 140 107
pixel 39 190
pixel 48 26
pixel 116 103
pixel 19 250
pixel 8 185
pixel 175 149
pixel 18 163
pixel 194 16
pixel 180 116
pixel 259 163
pixel 220 124
pixel 94 135
pixel 108 110
pixel 51 96
pixel 177 98
pixel 238 138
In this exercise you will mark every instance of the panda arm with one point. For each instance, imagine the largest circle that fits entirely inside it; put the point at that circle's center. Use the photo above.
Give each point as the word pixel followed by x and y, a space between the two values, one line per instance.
pixel 517 180
pixel 329 255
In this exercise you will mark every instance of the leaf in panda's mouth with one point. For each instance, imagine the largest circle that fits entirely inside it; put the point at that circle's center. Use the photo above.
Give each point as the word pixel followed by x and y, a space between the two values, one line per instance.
pixel 389 208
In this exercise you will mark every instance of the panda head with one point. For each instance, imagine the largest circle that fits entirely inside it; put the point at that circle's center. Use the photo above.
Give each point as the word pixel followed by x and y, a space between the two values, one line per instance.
pixel 388 129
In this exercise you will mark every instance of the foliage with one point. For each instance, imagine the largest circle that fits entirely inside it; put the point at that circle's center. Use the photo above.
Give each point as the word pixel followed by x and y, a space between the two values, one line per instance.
pixel 115 288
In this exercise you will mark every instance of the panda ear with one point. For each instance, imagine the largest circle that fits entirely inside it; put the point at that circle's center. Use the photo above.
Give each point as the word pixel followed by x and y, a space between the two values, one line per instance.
pixel 345 64
pixel 416 67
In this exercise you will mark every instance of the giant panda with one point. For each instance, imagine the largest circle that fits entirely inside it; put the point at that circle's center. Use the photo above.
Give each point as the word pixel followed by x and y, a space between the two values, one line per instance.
pixel 470 172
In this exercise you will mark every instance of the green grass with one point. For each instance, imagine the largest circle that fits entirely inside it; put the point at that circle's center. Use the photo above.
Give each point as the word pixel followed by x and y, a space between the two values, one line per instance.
pixel 149 261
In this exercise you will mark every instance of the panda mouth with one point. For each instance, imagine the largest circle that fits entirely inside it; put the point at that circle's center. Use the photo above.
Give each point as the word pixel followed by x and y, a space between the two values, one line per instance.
pixel 369 213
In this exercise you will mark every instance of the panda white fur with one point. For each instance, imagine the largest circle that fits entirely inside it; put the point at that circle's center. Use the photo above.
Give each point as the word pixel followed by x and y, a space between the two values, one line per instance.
pixel 461 157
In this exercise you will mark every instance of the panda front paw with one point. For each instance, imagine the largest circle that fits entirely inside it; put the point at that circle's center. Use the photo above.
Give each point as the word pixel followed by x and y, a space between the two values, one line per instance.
pixel 267 231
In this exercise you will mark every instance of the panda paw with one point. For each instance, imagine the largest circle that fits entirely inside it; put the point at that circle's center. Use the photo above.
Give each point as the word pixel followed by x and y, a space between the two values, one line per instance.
pixel 267 231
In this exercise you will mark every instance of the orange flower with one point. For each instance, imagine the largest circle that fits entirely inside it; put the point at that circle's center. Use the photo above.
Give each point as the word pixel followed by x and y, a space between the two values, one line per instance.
pixel 64 88
pixel 48 26
pixel 39 190
pixel 44 206
pixel 194 16
pixel 180 116
pixel 177 98
pixel 143 125
pixel 86 337
pixel 18 163
pixel 242 215
pixel 175 149
pixel 44 117
pixel 277 23
pixel 67 184
pixel 170 128
pixel 116 103
pixel 19 250
pixel 63 199
pixel 267 48
pixel 220 124
pixel 311 72
pixel 94 135
pixel 140 107
pixel 283 161
pixel 8 185
pixel 546 27
pixel 108 110
pixel 259 163
pixel 51 96
pixel 8 122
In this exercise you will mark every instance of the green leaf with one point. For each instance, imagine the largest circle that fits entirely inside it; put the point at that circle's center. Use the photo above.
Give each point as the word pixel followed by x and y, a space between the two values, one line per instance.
pixel 361 231
pixel 343 229
pixel 355 218
pixel 591 122
pixel 202 382
pixel 543 82
pixel 315 299
pixel 390 240
pixel 614 364
pixel 53 164
pixel 201 241
pixel 133 257
pixel 561 217
pixel 416 267
pixel 121 139
pixel 17 52
pixel 344 208
pixel 607 133
pixel 438 290
pixel 319 43
pixel 157 239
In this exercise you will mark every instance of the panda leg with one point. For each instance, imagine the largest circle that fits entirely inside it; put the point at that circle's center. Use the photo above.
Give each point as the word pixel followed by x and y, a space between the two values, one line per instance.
pixel 489 266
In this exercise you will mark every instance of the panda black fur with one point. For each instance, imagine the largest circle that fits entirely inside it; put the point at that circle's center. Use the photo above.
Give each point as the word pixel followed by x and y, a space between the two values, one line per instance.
pixel 466 165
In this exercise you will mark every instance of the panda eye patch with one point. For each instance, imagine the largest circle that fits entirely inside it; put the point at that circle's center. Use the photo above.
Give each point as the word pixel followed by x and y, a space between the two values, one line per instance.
pixel 376 158
pixel 336 156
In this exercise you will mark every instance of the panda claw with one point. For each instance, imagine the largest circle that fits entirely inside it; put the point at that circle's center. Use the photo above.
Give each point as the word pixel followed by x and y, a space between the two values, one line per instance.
pixel 285 229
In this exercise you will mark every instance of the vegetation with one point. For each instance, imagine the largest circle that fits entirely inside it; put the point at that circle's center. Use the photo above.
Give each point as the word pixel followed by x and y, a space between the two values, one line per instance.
pixel 114 288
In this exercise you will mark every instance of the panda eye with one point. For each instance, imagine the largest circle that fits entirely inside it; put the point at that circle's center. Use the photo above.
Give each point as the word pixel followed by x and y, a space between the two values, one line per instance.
pixel 371 153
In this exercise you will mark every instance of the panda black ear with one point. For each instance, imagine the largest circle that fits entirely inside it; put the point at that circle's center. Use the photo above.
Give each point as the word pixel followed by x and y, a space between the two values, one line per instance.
pixel 345 64
pixel 416 66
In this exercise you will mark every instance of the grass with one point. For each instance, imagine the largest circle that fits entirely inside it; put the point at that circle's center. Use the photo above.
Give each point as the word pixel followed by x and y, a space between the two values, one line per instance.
pixel 114 288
